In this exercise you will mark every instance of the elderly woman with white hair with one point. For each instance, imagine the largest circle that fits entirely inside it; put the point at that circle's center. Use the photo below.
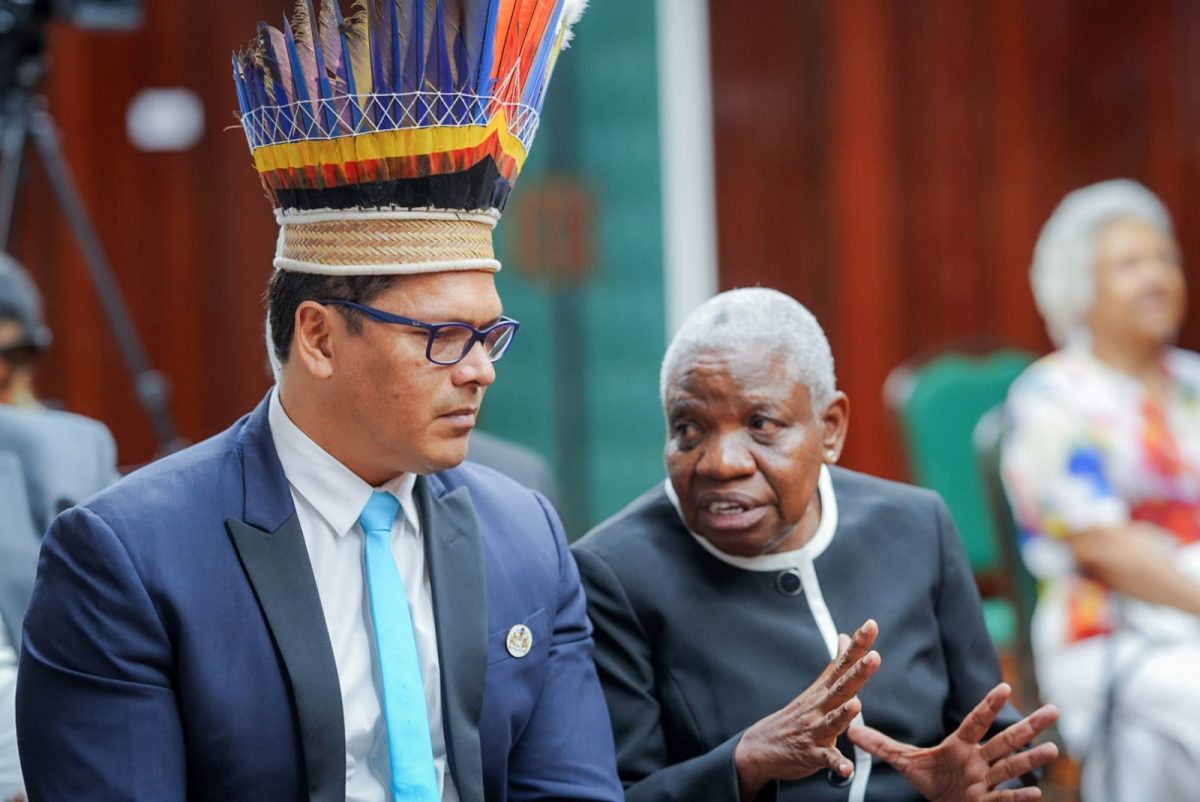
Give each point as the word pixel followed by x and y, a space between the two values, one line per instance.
pixel 1102 464
pixel 718 596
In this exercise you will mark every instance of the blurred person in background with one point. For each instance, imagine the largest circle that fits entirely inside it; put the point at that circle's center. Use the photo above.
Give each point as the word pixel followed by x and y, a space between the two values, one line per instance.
pixel 1102 465
pixel 23 334
pixel 49 460
pixel 719 594
pixel 515 461
pixel 64 457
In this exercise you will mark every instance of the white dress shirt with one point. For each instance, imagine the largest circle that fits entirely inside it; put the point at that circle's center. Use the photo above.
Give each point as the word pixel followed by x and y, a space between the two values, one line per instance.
pixel 329 498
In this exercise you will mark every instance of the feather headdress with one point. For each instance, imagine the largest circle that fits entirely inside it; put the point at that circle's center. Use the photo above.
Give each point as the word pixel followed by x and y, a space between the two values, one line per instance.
pixel 389 140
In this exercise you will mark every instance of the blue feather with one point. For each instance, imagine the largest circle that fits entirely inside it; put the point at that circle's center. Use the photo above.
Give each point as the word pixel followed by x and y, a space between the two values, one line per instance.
pixel 486 59
pixel 414 80
pixel 300 82
pixel 324 91
pixel 397 47
pixel 471 30
pixel 281 80
pixel 395 101
pixel 240 84
pixel 347 68
pixel 462 61
pixel 440 75
pixel 379 34
pixel 258 96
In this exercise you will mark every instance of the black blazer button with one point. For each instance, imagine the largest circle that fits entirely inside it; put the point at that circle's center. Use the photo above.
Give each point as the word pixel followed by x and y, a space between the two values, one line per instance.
pixel 788 582
pixel 837 780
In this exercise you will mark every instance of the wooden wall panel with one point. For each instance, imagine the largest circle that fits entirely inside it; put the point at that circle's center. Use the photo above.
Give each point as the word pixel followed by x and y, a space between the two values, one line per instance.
pixel 888 161
pixel 950 130
pixel 190 234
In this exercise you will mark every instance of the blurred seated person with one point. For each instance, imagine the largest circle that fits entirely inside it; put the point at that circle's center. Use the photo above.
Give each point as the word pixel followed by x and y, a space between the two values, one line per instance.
pixel 23 335
pixel 64 457
pixel 49 460
pixel 719 595
pixel 514 461
pixel 1102 465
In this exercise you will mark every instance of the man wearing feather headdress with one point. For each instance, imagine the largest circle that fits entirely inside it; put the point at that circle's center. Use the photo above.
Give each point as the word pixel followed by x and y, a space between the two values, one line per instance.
pixel 321 603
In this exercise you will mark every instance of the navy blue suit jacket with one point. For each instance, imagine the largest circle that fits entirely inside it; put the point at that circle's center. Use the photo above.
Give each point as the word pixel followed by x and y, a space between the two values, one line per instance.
pixel 175 647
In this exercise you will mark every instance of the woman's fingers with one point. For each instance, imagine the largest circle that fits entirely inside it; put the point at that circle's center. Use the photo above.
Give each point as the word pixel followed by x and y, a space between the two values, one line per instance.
pixel 836 762
pixel 848 685
pixel 836 722
pixel 1020 763
pixel 1021 733
pixel 1027 794
pixel 878 744
pixel 860 644
pixel 979 720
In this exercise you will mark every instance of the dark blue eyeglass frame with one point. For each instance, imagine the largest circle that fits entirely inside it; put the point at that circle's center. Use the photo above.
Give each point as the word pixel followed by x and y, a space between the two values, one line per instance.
pixel 501 333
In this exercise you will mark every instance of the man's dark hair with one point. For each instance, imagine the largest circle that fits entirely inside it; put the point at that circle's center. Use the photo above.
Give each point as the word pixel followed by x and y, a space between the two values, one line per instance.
pixel 289 289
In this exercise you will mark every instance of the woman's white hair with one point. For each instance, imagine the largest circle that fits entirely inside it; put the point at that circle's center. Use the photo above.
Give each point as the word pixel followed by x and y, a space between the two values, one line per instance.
pixel 1064 261
pixel 758 321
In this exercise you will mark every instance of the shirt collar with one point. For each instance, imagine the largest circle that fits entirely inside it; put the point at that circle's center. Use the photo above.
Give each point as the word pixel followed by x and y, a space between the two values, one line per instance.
pixel 333 490
pixel 780 560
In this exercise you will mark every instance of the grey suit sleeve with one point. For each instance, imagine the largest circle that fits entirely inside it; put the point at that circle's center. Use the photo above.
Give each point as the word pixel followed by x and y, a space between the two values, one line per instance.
pixel 19 544
pixel 625 662
pixel 106 456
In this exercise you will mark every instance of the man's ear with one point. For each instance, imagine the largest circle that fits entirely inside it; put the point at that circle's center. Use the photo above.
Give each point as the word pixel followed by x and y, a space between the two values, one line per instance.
pixel 312 342
pixel 835 422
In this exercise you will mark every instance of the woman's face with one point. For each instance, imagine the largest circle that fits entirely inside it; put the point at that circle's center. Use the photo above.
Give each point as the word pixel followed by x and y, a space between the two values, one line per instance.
pixel 1140 289
pixel 744 450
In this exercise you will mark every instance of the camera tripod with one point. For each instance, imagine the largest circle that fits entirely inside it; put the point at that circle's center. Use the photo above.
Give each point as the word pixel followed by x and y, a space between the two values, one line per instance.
pixel 27 118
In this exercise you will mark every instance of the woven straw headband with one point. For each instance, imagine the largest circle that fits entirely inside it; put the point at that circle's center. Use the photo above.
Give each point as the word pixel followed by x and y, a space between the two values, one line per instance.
pixel 385 242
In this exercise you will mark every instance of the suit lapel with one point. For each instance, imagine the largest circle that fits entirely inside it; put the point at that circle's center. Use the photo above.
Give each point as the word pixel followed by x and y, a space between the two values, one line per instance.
pixel 454 552
pixel 271 547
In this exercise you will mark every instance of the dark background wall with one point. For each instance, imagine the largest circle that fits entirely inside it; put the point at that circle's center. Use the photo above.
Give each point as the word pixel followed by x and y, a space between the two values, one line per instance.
pixel 190 234
pixel 890 162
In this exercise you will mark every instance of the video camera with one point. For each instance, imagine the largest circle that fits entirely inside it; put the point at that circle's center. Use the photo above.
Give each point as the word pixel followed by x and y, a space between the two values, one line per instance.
pixel 23 31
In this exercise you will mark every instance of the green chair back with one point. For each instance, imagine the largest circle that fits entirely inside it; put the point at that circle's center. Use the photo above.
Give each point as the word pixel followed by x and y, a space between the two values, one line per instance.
pixel 937 405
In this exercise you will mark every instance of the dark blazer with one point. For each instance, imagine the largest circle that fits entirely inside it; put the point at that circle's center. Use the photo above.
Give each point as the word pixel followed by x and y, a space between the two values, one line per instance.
pixel 176 648
pixel 691 650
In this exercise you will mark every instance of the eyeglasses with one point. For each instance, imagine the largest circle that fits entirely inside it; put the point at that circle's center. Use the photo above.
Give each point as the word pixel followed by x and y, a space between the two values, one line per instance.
pixel 21 353
pixel 449 343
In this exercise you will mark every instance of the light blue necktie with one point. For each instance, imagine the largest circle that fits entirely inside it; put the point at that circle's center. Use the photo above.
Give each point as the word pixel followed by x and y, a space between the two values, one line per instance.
pixel 410 747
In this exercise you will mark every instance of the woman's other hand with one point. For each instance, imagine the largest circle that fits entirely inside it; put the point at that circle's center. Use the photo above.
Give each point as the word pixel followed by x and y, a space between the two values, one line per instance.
pixel 960 768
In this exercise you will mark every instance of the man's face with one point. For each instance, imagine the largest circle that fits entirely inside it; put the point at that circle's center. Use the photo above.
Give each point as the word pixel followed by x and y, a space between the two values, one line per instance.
pixel 11 333
pixel 744 450
pixel 406 414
